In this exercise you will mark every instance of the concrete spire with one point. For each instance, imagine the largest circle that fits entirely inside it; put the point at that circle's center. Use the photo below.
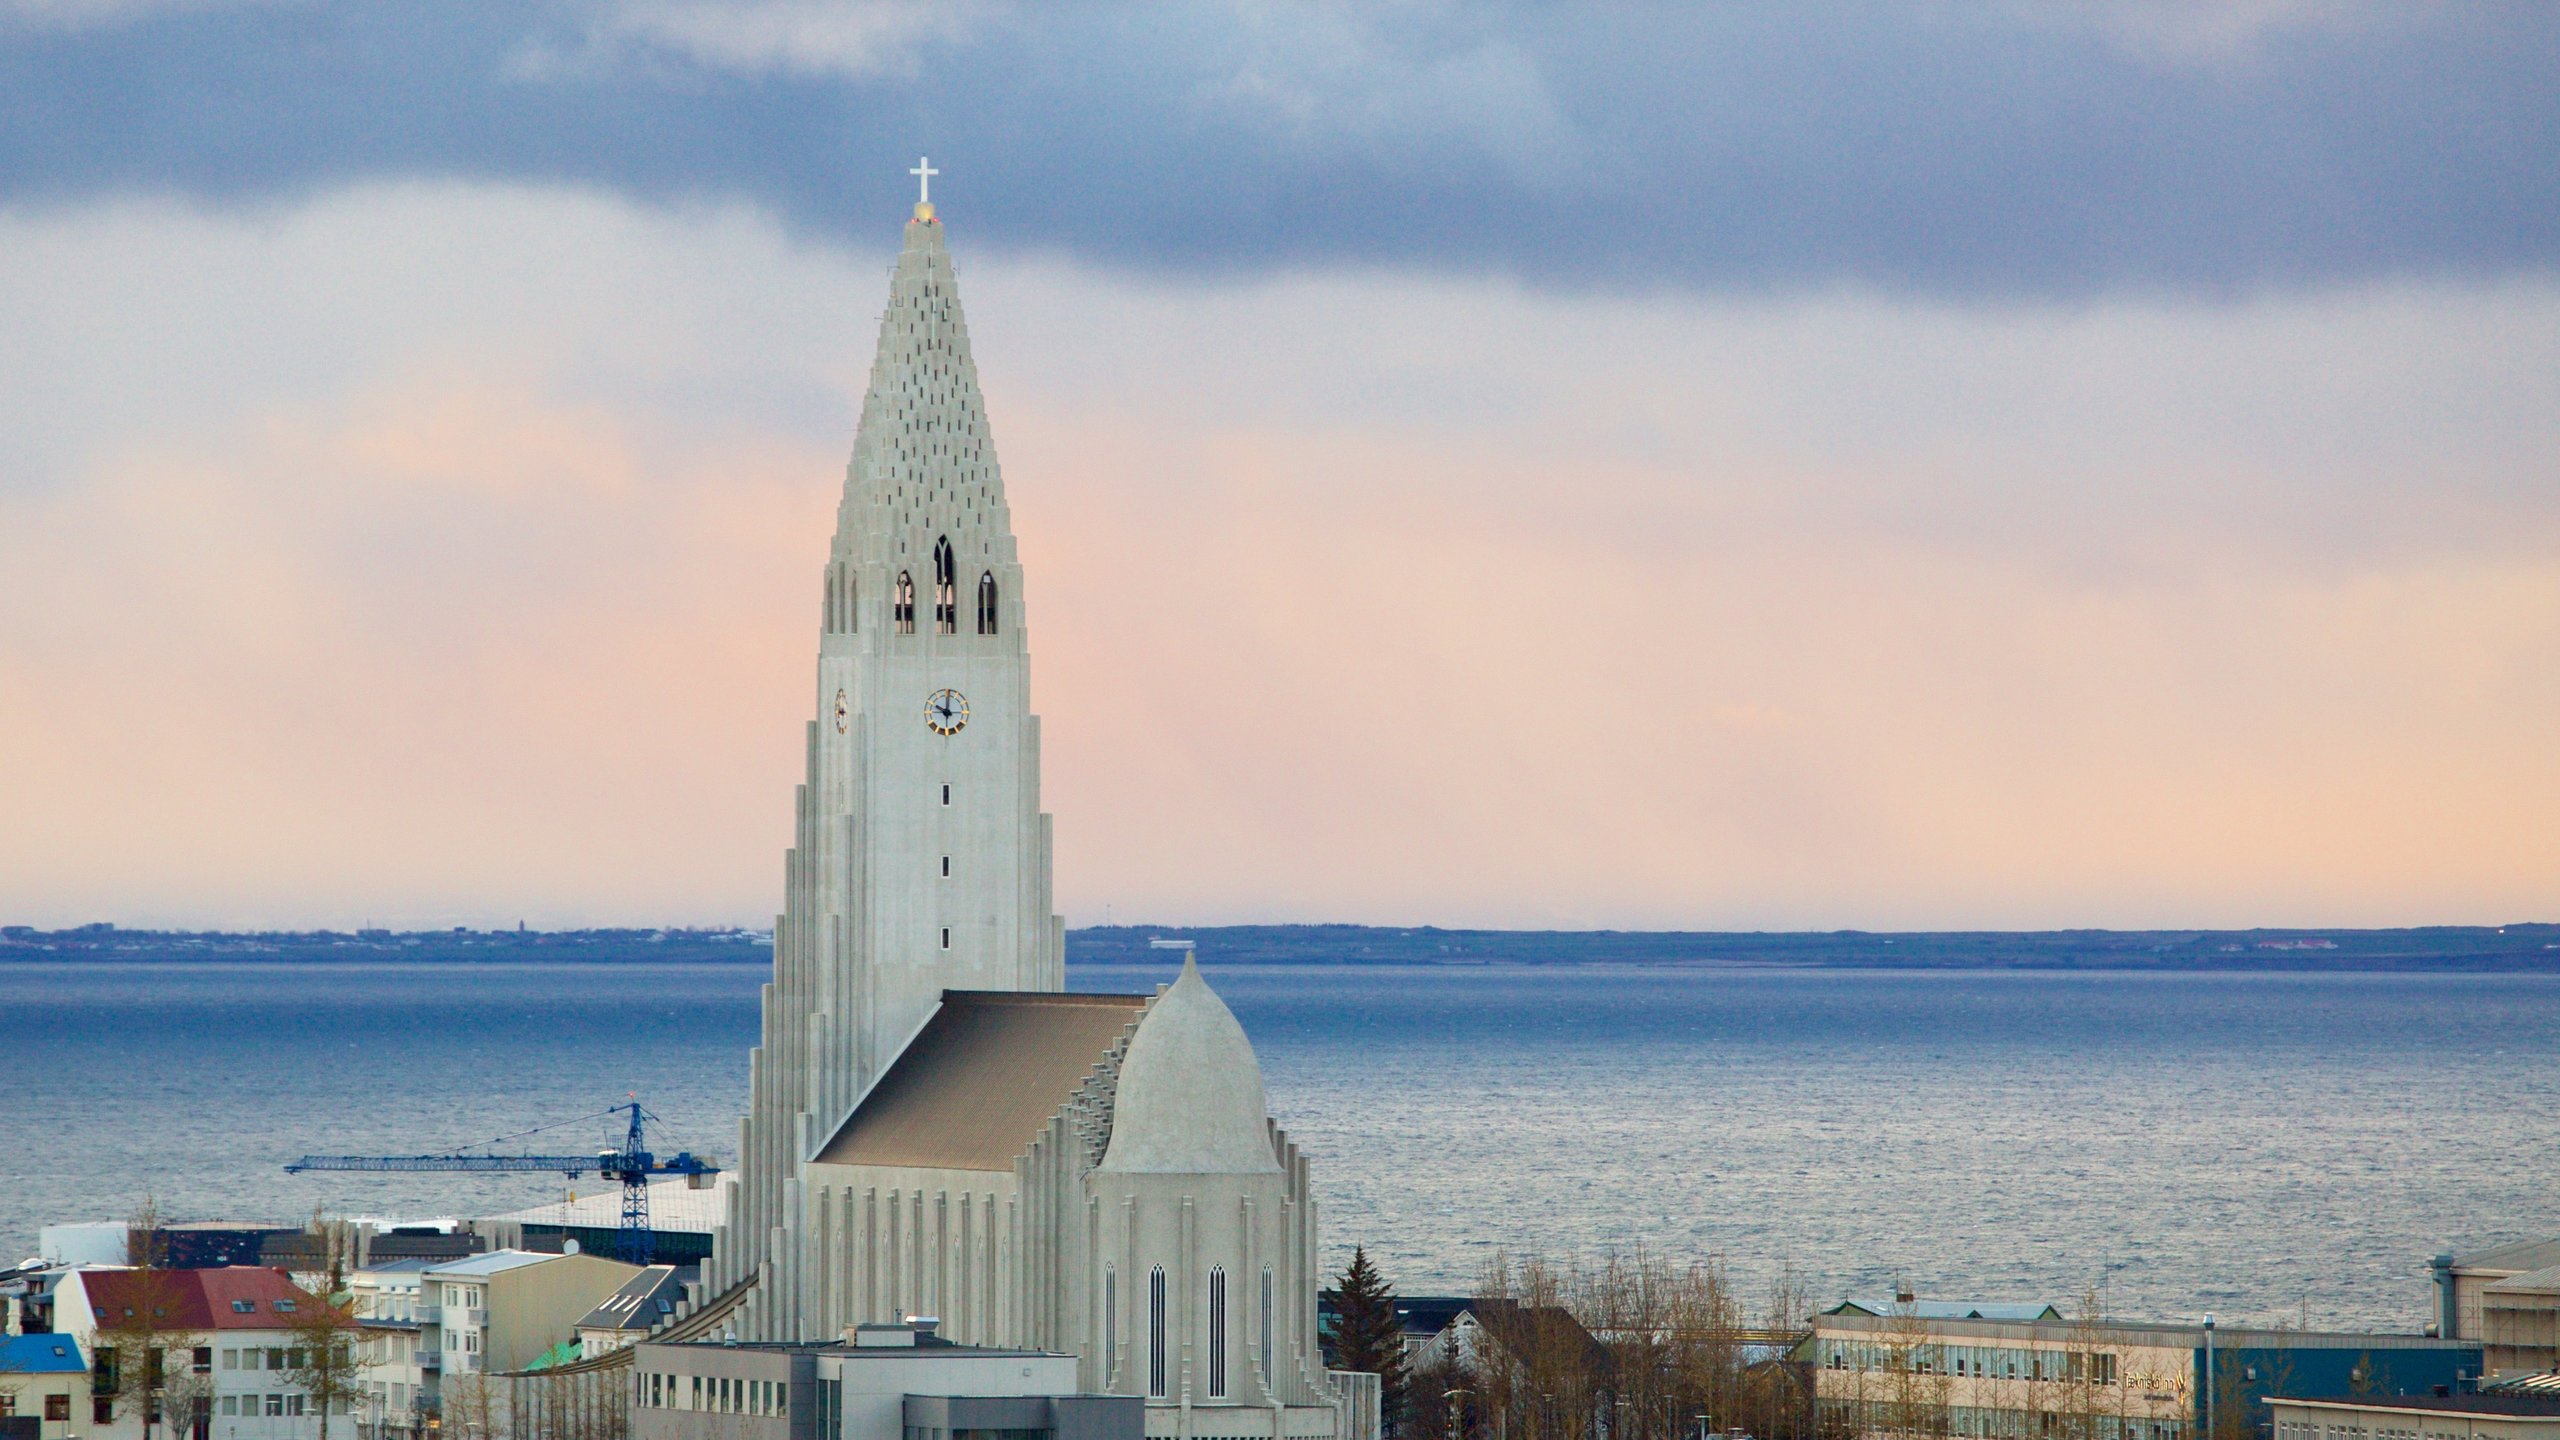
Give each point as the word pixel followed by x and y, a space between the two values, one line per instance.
pixel 924 461
pixel 920 857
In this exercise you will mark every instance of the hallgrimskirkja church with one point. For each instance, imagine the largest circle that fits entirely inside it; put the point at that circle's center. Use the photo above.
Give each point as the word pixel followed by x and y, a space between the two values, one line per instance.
pixel 935 1126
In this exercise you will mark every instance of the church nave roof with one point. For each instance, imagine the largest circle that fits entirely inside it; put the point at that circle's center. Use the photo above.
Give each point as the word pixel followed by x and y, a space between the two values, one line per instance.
pixel 980 1080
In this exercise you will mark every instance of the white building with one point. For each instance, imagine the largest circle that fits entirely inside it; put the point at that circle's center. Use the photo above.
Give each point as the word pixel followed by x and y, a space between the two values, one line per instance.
pixel 397 1374
pixel 228 1342
pixel 932 1126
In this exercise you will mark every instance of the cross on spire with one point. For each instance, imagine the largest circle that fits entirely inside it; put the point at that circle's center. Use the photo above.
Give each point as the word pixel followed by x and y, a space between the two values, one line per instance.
pixel 924 173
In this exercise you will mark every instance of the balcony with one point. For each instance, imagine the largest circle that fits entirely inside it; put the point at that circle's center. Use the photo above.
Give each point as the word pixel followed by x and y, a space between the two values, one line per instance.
pixel 430 1359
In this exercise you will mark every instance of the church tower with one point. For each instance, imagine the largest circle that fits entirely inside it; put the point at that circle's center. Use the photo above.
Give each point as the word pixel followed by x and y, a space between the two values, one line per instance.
pixel 920 857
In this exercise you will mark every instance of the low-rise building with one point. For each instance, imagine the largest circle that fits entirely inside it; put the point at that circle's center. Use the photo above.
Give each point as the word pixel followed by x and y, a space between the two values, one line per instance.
pixel 44 1378
pixel 2462 1282
pixel 226 1345
pixel 645 1301
pixel 883 1382
pixel 389 1301
pixel 2021 1372
pixel 2520 1324
pixel 502 1310
pixel 2439 1417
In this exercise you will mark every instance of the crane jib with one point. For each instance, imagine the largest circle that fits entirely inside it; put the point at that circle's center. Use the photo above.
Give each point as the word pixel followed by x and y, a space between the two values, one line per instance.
pixel 632 1165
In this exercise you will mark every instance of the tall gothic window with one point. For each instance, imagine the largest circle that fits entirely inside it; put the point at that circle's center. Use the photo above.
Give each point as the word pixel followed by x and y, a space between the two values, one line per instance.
pixel 946 588
pixel 1110 1324
pixel 1217 1332
pixel 987 603
pixel 1267 1370
pixel 1155 1333
pixel 904 610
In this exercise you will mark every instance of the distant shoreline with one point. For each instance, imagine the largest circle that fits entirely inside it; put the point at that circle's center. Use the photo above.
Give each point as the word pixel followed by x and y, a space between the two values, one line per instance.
pixel 2519 949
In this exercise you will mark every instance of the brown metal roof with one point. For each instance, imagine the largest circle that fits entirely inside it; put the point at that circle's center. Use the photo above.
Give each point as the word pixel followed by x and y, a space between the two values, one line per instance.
pixel 986 1072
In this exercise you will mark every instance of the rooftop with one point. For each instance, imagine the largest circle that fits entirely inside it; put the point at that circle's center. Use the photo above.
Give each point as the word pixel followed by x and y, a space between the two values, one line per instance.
pixel 2520 1256
pixel 977 1083
pixel 643 1301
pixel 1950 1309
pixel 496 1262
pixel 2545 1281
pixel 234 1297
pixel 675 1207
pixel 2447 1404
pixel 40 1355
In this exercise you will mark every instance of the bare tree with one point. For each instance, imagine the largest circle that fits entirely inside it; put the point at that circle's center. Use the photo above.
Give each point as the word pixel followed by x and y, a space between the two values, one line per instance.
pixel 326 1362
pixel 148 1355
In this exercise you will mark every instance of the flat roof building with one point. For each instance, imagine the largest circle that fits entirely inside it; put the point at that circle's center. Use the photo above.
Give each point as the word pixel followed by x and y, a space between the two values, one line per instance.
pixel 883 1382
pixel 1955 1370
pixel 2442 1417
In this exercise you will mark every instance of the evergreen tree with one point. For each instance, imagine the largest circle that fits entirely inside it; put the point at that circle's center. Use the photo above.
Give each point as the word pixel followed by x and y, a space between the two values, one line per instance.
pixel 1368 1337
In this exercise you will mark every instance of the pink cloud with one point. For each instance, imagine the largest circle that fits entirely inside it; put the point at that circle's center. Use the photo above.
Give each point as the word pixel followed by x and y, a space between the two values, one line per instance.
pixel 1358 598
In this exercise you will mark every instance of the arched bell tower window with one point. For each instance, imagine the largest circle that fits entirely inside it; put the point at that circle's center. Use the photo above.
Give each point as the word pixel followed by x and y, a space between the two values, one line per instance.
pixel 946 587
pixel 1217 1332
pixel 987 603
pixel 1155 1333
pixel 904 609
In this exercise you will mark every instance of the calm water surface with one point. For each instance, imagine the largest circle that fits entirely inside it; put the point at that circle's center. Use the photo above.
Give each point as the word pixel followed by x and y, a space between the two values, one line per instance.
pixel 2246 1144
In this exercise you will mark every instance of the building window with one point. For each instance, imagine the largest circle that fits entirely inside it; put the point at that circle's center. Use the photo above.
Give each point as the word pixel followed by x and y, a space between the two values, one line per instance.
pixel 987 603
pixel 946 587
pixel 1110 1323
pixel 946 937
pixel 946 867
pixel 1267 1369
pixel 902 610
pixel 1155 1333
pixel 102 1410
pixel 1217 1332
pixel 58 1407
pixel 946 795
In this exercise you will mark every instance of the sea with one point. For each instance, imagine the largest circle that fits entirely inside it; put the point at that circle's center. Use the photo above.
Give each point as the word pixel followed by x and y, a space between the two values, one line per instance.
pixel 2284 1147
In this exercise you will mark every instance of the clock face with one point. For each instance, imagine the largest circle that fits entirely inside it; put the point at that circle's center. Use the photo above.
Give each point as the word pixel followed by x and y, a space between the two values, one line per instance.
pixel 841 712
pixel 945 711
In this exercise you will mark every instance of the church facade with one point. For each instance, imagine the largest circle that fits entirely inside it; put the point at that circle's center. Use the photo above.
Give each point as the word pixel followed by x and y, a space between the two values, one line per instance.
pixel 934 1125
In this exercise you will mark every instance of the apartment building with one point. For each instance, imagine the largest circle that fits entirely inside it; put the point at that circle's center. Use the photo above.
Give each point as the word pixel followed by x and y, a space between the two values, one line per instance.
pixel 224 1351
pixel 501 1311
pixel 396 1397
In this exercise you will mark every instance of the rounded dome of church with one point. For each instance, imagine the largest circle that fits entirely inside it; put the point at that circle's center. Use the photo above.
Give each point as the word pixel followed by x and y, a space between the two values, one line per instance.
pixel 1190 1097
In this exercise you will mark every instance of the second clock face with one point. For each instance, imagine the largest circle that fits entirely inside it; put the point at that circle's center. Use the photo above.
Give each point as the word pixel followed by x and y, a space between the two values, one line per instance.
pixel 946 711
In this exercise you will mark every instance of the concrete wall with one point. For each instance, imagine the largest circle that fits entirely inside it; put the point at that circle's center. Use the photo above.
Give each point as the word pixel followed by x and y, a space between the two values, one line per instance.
pixel 534 1307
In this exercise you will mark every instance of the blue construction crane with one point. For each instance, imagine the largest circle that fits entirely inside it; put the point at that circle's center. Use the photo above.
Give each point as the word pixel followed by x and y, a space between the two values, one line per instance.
pixel 632 1165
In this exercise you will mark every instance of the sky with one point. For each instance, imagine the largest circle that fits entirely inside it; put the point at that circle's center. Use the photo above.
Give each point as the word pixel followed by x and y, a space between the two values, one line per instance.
pixel 1882 466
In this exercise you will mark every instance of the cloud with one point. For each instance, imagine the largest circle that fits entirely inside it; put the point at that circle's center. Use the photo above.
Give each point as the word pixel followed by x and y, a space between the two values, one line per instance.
pixel 794 37
pixel 448 552
pixel 1985 153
